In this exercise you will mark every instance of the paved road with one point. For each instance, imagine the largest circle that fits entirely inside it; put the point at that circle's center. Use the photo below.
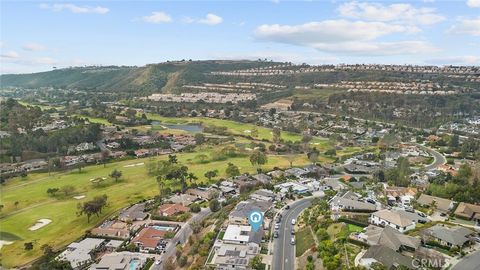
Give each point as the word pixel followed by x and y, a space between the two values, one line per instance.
pixel 438 158
pixel 181 236
pixel 284 252
pixel 471 261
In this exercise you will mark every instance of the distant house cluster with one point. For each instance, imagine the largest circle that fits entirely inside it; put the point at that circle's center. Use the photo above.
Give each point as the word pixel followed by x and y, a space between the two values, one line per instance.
pixel 208 97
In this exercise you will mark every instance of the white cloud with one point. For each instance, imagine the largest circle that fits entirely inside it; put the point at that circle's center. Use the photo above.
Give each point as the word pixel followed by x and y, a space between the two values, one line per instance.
pixel 466 26
pixel 157 17
pixel 473 3
pixel 33 47
pixel 342 36
pixel 75 9
pixel 404 13
pixel 211 19
pixel 10 55
pixel 329 31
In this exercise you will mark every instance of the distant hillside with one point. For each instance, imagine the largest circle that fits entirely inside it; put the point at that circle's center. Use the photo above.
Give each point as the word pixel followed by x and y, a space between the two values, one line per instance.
pixel 151 78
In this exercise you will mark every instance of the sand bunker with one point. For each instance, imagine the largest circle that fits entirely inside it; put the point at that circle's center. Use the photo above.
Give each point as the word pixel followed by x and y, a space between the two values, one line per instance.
pixel 4 243
pixel 133 165
pixel 79 197
pixel 40 223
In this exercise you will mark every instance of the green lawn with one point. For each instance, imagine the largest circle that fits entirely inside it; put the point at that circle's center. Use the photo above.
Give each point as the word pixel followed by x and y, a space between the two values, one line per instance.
pixel 95 119
pixel 354 228
pixel 304 239
pixel 238 128
pixel 66 226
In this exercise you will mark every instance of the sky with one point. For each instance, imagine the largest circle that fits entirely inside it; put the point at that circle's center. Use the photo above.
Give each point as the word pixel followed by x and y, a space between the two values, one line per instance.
pixel 39 35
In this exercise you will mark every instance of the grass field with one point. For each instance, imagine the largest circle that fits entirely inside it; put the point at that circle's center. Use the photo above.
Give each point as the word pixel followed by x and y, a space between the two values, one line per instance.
pixel 237 128
pixel 66 226
pixel 304 239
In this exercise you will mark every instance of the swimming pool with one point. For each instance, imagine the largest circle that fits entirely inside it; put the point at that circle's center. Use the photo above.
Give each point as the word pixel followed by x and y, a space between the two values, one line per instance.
pixel 163 228
pixel 134 264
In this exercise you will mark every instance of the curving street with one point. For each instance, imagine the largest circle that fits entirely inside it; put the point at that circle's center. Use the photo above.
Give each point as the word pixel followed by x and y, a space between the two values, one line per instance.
pixel 438 158
pixel 284 251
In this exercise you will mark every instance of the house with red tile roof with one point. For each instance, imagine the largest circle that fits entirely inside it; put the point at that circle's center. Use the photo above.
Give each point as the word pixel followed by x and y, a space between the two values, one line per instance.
pixel 171 209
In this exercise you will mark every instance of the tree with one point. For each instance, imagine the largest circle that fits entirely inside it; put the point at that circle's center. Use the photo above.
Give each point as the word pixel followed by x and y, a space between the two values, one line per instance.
pixel 256 262
pixel 116 174
pixel 214 205
pixel 16 204
pixel 291 158
pixel 67 190
pixel 195 208
pixel 52 191
pixel 178 173
pixel 105 155
pixel 211 174
pixel 199 138
pixel 93 207
pixel 232 170
pixel 172 159
pixel 258 158
pixel 276 135
pixel 28 245
pixel 313 155
pixel 182 261
pixel 331 152
pixel 191 177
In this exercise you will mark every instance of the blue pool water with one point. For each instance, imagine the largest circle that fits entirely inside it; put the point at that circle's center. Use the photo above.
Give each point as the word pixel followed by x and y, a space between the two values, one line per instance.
pixel 163 228
pixel 134 264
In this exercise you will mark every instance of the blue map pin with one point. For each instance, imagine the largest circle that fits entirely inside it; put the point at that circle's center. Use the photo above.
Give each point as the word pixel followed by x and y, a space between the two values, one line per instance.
pixel 256 220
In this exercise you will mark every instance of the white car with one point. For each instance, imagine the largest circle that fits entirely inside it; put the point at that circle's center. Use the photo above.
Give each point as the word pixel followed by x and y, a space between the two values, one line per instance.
pixel 277 226
pixel 292 241
pixel 293 221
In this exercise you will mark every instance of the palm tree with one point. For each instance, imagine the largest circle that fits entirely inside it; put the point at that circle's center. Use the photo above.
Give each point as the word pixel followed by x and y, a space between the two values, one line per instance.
pixel 161 185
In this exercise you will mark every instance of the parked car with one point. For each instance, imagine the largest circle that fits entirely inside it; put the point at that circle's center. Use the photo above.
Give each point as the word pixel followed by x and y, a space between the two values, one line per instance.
pixel 293 231
pixel 275 234
pixel 277 226
pixel 293 221
pixel 287 207
pixel 292 240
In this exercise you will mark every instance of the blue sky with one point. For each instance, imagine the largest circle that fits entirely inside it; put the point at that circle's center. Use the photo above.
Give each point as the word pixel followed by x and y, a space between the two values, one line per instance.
pixel 37 35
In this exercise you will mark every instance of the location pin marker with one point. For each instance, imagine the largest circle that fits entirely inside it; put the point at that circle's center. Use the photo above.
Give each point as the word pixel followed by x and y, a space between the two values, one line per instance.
pixel 256 220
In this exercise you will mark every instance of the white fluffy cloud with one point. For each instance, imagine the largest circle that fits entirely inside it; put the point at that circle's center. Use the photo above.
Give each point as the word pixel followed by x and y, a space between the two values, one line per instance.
pixel 33 47
pixel 329 31
pixel 75 9
pixel 473 3
pixel 211 19
pixel 157 17
pixel 342 36
pixel 466 26
pixel 404 13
